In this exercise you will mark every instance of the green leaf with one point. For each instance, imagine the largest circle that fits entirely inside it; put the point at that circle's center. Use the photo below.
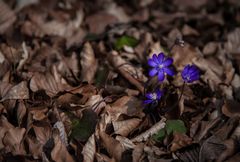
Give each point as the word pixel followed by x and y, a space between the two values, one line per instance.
pixel 125 40
pixel 173 126
pixel 83 128
pixel 101 76
pixel 160 135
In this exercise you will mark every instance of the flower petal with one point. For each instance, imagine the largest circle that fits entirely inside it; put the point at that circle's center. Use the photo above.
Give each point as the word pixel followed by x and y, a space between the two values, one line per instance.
pixel 152 63
pixel 167 62
pixel 148 95
pixel 153 72
pixel 159 94
pixel 155 58
pixel 161 75
pixel 147 101
pixel 169 71
pixel 160 57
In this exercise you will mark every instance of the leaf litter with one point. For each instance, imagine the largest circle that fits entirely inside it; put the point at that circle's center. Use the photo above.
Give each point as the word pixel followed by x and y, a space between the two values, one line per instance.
pixel 74 75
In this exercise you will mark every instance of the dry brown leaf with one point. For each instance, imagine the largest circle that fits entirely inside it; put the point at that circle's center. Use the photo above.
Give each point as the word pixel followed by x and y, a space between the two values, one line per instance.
pixel 43 133
pixel 4 127
pixel 179 141
pixel 96 102
pixel 117 11
pixel 99 21
pixel 21 111
pixel 13 140
pixel 19 91
pixel 125 142
pixel 126 126
pixel 60 152
pixel 138 152
pixel 231 108
pixel 153 130
pixel 103 158
pixel 52 84
pixel 88 63
pixel 89 150
pixel 184 55
pixel 132 74
pixel 210 48
pixel 230 150
pixel 114 147
pixel 211 149
pixel 187 4
pixel 35 148
pixel 127 105
pixel 187 30
pixel 7 17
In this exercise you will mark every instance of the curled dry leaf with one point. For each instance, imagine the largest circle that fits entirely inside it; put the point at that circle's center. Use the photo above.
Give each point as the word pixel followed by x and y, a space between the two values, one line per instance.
pixel 125 127
pixel 19 91
pixel 89 149
pixel 132 74
pixel 96 102
pixel 114 147
pixel 88 63
pixel 153 130
pixel 62 133
pixel 60 152
pixel 179 141
pixel 13 140
pixel 231 108
pixel 125 142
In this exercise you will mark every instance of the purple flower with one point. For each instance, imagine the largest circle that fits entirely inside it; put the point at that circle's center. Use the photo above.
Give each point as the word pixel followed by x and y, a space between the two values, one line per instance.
pixel 153 97
pixel 190 73
pixel 161 66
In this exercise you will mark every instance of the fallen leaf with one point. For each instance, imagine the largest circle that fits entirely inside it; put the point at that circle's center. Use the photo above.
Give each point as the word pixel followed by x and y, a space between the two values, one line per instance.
pixel 99 21
pixel 180 140
pixel 89 149
pixel 19 91
pixel 21 111
pixel 127 105
pixel 125 41
pixel 114 147
pixel 231 108
pixel 211 149
pixel 60 152
pixel 126 126
pixel 13 140
pixel 7 17
pixel 62 133
pixel 88 63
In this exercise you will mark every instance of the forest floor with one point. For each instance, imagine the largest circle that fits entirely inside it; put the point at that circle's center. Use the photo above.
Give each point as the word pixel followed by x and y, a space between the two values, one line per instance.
pixel 76 76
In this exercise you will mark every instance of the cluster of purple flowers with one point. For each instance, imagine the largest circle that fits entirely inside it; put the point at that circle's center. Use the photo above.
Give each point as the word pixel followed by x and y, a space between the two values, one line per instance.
pixel 162 66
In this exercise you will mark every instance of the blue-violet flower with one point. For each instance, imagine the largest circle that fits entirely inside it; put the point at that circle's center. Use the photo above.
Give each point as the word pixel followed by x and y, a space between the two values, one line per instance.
pixel 161 66
pixel 153 97
pixel 190 73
